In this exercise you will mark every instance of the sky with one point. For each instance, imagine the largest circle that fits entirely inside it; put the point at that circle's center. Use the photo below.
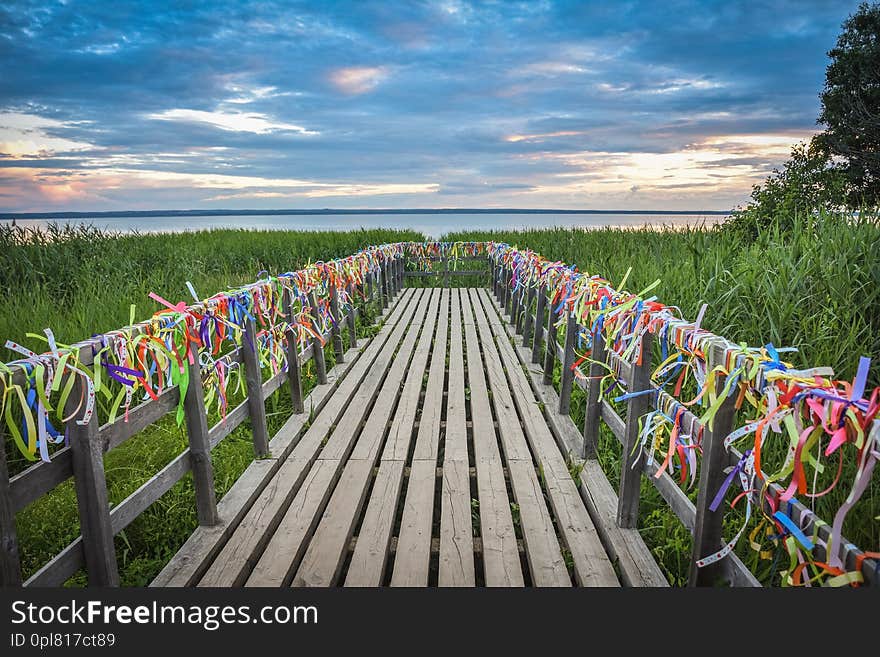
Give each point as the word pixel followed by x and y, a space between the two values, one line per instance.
pixel 674 105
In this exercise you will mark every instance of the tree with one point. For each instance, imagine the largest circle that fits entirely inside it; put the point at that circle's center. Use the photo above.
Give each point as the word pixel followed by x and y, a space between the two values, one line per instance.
pixel 806 186
pixel 851 105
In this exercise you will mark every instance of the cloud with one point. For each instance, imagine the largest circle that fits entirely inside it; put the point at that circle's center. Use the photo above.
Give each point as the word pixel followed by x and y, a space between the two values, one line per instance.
pixel 358 80
pixel 259 124
pixel 274 104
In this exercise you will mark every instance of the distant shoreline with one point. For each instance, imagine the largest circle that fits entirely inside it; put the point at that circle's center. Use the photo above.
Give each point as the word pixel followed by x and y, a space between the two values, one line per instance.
pixel 330 211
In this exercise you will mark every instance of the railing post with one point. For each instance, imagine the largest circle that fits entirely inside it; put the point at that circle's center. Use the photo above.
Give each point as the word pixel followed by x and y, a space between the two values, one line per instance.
pixel 565 384
pixel 550 348
pixel 508 291
pixel 383 283
pixel 294 373
pixel 493 266
pixel 631 467
pixel 540 308
pixel 254 382
pixel 335 327
pixel 200 447
pixel 351 319
pixel 401 272
pixel 10 565
pixel 445 270
pixel 708 523
pixel 529 320
pixel 514 310
pixel 317 346
pixel 594 382
pixel 371 291
pixel 90 482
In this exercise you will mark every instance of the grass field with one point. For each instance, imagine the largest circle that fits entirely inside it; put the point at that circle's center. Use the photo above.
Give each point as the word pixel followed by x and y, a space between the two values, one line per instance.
pixel 815 288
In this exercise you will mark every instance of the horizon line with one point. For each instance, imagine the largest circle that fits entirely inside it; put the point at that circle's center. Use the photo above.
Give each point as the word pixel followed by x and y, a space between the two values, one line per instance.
pixel 219 212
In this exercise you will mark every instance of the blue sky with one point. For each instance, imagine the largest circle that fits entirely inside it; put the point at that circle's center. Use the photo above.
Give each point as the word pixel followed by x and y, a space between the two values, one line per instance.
pixel 635 105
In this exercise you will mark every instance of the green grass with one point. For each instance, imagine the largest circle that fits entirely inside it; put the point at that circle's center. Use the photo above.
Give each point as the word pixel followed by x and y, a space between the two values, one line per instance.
pixel 816 288
pixel 81 281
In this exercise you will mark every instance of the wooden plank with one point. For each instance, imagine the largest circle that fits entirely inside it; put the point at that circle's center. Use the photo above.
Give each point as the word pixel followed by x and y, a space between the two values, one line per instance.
pixel 200 447
pixel 288 540
pixel 529 320
pixel 591 564
pixel 370 558
pixel 543 552
pixel 550 345
pixel 238 555
pixel 324 557
pixel 637 565
pixel 501 564
pixel 428 438
pixel 456 533
pixel 291 350
pixel 414 542
pixel 91 487
pixel 10 566
pixel 288 545
pixel 455 444
pixel 413 553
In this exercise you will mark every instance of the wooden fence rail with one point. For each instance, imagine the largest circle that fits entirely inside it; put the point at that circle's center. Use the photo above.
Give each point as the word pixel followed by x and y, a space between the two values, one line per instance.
pixel 83 459
pixel 699 519
pixel 530 316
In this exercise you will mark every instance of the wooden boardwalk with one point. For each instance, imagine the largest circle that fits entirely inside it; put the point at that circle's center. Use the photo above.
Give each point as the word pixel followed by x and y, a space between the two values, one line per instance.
pixel 428 462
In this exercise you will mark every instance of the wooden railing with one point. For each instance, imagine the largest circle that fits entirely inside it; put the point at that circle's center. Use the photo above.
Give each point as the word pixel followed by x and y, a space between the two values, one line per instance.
pixel 83 459
pixel 531 317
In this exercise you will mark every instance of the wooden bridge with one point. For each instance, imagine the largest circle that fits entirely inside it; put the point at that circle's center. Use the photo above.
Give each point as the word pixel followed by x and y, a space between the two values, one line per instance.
pixel 438 452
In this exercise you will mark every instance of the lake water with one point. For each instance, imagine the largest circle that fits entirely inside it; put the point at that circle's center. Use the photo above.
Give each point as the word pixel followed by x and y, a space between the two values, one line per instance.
pixel 432 225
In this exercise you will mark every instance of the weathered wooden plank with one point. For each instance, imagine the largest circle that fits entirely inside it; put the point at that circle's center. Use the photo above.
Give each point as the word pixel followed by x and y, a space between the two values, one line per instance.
pixel 412 557
pixel 460 272
pixel 10 566
pixel 428 438
pixel 288 545
pixel 543 552
pixel 529 321
pixel 501 564
pixel 288 541
pixel 234 562
pixel 254 381
pixel 371 551
pixel 91 487
pixel 455 443
pixel 550 345
pixel 636 564
pixel 414 542
pixel 456 533
pixel 200 447
pixel 324 557
pixel 291 350
pixel 591 564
